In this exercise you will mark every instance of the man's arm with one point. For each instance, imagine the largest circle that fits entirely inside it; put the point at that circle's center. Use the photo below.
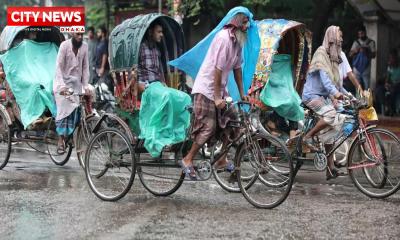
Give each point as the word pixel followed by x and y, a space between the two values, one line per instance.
pixel 237 73
pixel 327 83
pixel 217 83
pixel 60 62
pixel 354 80
pixel 103 64
pixel 85 68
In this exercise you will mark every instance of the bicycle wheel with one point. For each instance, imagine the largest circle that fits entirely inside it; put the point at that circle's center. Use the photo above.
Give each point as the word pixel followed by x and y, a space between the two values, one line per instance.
pixel 51 140
pixel 110 164
pixel 228 181
pixel 5 140
pixel 83 136
pixel 271 162
pixel 38 147
pixel 374 163
pixel 160 176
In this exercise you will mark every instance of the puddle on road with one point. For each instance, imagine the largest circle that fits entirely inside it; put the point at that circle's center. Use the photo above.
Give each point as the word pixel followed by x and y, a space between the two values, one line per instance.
pixel 38 181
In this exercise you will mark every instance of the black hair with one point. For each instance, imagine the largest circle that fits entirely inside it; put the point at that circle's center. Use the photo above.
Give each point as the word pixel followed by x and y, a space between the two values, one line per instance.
pixel 91 28
pixel 361 28
pixel 154 24
pixel 103 29
pixel 151 28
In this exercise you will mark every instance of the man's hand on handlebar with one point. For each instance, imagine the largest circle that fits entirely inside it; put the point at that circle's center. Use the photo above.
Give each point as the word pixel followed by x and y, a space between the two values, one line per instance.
pixel 245 98
pixel 338 96
pixel 220 103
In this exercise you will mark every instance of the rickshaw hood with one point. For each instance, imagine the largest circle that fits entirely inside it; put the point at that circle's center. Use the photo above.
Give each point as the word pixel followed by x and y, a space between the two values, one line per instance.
pixel 7 36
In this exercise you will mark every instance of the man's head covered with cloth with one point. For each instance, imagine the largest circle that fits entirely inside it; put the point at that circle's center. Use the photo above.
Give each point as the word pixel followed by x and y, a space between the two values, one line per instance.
pixel 327 56
pixel 236 21
pixel 210 63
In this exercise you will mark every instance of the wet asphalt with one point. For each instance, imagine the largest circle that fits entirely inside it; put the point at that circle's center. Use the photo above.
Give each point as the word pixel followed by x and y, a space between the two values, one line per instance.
pixel 40 200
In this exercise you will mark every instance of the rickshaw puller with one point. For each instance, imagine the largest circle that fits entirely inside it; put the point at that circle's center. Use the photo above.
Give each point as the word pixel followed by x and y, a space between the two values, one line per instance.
pixel 322 90
pixel 223 56
pixel 72 72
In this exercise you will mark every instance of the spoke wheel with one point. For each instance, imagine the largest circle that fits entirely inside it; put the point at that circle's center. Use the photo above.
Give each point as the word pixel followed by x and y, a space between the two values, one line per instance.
pixel 161 176
pixel 228 181
pixel 271 163
pixel 374 163
pixel 5 141
pixel 83 136
pixel 110 164
pixel 51 140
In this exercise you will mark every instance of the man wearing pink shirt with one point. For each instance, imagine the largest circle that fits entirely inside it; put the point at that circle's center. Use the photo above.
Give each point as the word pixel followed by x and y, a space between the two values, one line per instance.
pixel 223 56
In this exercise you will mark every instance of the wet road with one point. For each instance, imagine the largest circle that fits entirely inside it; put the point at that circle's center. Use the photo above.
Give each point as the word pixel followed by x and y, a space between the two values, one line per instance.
pixel 40 200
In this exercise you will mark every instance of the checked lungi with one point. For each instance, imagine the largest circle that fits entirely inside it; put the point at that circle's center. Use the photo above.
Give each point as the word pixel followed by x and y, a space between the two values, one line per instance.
pixel 66 126
pixel 208 120
pixel 324 109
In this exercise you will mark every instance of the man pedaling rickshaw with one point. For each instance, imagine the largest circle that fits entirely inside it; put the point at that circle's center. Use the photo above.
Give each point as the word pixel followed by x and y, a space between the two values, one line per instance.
pixel 224 54
pixel 72 72
pixel 323 89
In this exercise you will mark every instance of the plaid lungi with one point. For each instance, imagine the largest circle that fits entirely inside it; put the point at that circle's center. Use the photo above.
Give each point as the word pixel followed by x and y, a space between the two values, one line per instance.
pixel 206 117
pixel 66 126
pixel 324 108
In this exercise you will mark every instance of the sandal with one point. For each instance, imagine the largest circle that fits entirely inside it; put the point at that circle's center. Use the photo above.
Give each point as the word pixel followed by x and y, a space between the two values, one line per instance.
pixel 188 171
pixel 61 148
pixel 229 167
pixel 332 174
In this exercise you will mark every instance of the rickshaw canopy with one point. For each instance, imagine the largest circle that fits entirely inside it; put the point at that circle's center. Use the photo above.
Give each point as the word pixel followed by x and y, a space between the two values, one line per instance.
pixel 30 69
pixel 125 40
pixel 287 36
pixel 10 33
pixel 283 58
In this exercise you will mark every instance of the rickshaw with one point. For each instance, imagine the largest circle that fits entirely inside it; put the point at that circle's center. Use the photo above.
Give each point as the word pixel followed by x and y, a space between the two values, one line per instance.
pixel 28 56
pixel 369 153
pixel 115 155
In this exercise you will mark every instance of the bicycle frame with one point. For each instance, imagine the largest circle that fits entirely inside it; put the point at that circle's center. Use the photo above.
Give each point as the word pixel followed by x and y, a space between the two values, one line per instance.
pixel 359 126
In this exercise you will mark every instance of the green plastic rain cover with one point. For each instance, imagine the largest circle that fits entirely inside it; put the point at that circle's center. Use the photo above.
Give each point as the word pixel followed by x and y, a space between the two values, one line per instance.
pixel 30 70
pixel 279 92
pixel 163 118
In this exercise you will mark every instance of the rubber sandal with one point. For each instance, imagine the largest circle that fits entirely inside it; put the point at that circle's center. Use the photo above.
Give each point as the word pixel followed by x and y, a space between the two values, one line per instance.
pixel 229 167
pixel 61 148
pixel 188 170
pixel 334 173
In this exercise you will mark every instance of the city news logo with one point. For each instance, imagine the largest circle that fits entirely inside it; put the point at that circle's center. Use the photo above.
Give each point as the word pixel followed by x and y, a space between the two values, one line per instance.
pixel 68 19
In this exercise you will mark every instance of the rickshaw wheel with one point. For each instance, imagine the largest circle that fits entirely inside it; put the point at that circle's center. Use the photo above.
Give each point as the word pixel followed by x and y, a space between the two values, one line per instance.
pixel 228 181
pixel 51 140
pixel 162 176
pixel 272 165
pixel 110 164
pixel 83 136
pixel 5 140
